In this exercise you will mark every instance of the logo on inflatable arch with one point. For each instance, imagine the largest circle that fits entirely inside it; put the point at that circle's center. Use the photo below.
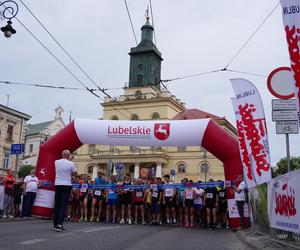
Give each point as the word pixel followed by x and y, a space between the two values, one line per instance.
pixel 162 131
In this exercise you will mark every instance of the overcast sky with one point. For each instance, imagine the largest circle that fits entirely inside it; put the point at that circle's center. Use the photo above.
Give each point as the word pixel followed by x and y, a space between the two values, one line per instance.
pixel 193 36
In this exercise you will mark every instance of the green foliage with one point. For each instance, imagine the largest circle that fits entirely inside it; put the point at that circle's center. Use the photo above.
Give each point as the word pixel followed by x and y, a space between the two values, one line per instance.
pixel 25 170
pixel 282 168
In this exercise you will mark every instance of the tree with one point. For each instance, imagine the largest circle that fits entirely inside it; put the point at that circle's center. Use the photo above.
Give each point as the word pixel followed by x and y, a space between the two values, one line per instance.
pixel 25 170
pixel 282 166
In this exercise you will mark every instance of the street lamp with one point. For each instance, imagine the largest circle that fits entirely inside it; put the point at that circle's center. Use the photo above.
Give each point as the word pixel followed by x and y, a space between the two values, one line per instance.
pixel 11 9
pixel 204 166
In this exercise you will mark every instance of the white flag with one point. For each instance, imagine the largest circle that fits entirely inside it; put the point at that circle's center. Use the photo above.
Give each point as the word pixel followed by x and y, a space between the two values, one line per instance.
pixel 291 22
pixel 252 132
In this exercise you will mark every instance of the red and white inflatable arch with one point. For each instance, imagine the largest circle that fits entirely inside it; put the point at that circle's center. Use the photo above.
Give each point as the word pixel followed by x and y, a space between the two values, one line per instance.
pixel 204 132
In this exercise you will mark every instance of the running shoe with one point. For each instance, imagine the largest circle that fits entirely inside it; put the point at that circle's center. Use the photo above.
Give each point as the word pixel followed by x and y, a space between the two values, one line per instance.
pixel 129 222
pixel 85 219
pixel 122 221
pixel 92 219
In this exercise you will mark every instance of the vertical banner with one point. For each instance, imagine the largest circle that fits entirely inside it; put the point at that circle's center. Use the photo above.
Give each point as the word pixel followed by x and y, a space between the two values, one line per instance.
pixel 252 132
pixel 284 202
pixel 291 22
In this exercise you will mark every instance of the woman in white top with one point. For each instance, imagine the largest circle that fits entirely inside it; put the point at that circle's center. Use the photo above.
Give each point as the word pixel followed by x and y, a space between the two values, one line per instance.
pixel 188 204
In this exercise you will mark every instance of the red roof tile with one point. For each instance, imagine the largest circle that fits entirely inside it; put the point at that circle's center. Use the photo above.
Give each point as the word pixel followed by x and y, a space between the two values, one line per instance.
pixel 195 114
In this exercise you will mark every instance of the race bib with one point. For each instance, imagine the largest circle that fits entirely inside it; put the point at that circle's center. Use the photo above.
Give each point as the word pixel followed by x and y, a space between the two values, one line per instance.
pixel 209 195
pixel 97 192
pixel 221 194
pixel 83 189
pixel 110 191
pixel 169 192
pixel 153 186
pixel 189 195
pixel 155 194
pixel 139 194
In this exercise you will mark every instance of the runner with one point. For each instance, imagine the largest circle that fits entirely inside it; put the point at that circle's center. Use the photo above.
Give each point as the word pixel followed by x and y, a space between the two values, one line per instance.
pixel 138 199
pixel 111 201
pixel 148 201
pixel 125 200
pixel 211 202
pixel 180 202
pixel 188 204
pixel 169 195
pixel 156 200
pixel 223 206
pixel 83 191
pixel 198 202
pixel 98 197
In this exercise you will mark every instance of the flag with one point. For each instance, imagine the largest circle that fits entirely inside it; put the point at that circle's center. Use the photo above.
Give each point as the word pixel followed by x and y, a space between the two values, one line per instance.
pixel 252 132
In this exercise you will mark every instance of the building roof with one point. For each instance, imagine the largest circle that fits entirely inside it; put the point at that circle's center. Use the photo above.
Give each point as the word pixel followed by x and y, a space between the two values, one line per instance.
pixel 188 114
pixel 37 128
pixel 14 112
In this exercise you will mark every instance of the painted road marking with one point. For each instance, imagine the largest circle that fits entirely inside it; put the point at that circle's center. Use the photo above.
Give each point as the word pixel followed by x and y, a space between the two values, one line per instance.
pixel 95 229
pixel 30 242
pixel 65 234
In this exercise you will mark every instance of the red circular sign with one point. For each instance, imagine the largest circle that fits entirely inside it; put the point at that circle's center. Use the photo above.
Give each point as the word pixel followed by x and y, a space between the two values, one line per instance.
pixel 280 83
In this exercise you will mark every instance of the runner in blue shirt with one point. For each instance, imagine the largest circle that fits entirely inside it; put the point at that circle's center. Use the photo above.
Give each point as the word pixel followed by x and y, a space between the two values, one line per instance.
pixel 98 197
pixel 111 201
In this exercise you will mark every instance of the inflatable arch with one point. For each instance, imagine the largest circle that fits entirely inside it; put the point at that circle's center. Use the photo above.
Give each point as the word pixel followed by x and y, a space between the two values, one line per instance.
pixel 203 132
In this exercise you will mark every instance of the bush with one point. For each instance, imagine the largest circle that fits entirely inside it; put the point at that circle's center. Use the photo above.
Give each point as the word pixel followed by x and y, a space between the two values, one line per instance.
pixel 25 170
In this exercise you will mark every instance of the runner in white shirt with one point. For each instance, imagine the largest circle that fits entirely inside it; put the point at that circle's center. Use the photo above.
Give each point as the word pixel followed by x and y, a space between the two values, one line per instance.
pixel 169 200
pixel 31 183
pixel 64 169
pixel 198 202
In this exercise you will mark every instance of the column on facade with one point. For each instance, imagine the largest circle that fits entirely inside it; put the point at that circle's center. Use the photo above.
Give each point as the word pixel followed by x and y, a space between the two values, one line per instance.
pixel 95 172
pixel 158 170
pixel 136 170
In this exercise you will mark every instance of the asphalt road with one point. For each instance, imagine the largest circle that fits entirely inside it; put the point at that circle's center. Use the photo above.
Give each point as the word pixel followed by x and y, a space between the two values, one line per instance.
pixel 37 234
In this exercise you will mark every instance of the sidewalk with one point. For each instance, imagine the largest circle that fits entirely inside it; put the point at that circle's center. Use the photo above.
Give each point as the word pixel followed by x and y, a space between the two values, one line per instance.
pixel 258 241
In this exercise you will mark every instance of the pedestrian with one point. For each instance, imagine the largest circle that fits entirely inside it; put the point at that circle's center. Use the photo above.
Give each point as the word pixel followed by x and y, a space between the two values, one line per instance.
pixel 198 202
pixel 223 206
pixel 180 201
pixel 64 168
pixel 156 200
pixel 31 184
pixel 138 200
pixel 169 196
pixel 8 183
pixel 98 197
pixel 111 201
pixel 239 196
pixel 126 199
pixel 18 192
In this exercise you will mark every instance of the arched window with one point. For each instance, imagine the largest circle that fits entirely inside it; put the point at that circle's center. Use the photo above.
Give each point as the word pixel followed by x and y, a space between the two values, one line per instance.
pixel 155 116
pixel 114 117
pixel 138 94
pixel 204 167
pixel 90 169
pixel 134 117
pixel 181 168
pixel 140 78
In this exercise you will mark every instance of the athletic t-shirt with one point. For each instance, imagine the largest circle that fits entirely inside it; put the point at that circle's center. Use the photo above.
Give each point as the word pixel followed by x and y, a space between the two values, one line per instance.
pixel 31 183
pixel 199 194
pixel 240 196
pixel 211 194
pixel 189 194
pixel 222 195
pixel 63 172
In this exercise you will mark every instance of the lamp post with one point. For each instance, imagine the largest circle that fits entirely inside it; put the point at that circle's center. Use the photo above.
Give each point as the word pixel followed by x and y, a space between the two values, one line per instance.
pixel 204 166
pixel 11 9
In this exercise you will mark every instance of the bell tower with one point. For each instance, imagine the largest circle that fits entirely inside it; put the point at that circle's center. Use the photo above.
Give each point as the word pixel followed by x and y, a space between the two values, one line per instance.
pixel 145 60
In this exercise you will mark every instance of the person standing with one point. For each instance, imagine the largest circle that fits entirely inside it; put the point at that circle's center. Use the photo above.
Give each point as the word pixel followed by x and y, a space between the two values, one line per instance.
pixel 31 184
pixel 239 196
pixel 64 168
pixel 8 183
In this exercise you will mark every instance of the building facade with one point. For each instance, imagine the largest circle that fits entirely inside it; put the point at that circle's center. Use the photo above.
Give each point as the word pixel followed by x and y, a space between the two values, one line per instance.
pixel 12 131
pixel 37 134
pixel 143 99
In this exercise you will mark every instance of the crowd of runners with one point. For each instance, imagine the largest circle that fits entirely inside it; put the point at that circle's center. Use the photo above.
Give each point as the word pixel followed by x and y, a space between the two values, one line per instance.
pixel 186 207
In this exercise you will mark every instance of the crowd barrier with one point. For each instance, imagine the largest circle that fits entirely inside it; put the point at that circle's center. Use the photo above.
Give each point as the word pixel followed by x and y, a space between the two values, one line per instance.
pixel 150 186
pixel 276 204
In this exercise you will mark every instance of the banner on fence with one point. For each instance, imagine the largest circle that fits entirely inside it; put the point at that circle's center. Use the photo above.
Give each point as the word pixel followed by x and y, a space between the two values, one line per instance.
pixel 284 202
pixel 252 132
pixel 233 210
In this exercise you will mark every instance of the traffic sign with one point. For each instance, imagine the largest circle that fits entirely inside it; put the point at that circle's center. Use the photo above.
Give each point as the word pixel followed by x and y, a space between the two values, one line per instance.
pixel 287 127
pixel 281 83
pixel 284 115
pixel 278 104
pixel 16 149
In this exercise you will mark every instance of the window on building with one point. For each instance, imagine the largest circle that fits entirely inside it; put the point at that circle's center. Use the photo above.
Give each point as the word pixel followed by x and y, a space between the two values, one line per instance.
pixel 6 159
pixel 138 94
pixel 92 148
pixel 182 149
pixel 10 131
pixel 155 116
pixel 134 117
pixel 181 168
pixel 90 170
pixel 30 148
pixel 204 167
pixel 131 169
pixel 140 78
pixel 114 117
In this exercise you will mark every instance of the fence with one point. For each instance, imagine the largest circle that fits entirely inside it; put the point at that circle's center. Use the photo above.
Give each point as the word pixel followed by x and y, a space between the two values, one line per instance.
pixel 260 220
